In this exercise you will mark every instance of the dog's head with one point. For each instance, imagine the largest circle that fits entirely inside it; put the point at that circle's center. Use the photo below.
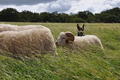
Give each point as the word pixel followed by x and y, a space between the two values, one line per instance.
pixel 80 30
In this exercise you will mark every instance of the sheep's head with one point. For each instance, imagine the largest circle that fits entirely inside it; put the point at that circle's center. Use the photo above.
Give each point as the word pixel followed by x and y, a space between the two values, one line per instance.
pixel 80 30
pixel 65 38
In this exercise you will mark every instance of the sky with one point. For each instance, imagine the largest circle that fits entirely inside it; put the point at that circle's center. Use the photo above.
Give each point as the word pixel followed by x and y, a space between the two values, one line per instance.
pixel 62 6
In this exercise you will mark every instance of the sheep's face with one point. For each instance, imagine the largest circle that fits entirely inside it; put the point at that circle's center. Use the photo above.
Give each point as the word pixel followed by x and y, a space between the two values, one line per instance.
pixel 65 38
pixel 80 30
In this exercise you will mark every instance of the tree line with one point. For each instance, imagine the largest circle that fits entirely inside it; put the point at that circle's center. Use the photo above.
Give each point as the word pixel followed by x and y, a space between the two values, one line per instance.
pixel 108 16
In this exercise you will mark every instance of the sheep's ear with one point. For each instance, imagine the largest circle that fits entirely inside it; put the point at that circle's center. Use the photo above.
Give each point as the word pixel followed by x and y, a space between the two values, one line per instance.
pixel 83 26
pixel 70 38
pixel 78 27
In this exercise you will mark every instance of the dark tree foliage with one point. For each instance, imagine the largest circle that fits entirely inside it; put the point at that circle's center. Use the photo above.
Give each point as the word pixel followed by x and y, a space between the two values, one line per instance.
pixel 10 14
pixel 113 15
pixel 26 16
pixel 108 16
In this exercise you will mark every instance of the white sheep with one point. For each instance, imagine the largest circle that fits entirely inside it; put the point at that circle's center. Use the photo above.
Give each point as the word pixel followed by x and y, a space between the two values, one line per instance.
pixel 9 27
pixel 28 41
pixel 68 40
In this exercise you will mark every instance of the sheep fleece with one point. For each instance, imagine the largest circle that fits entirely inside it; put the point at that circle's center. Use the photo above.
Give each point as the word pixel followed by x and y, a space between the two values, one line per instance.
pixel 9 27
pixel 27 41
pixel 79 42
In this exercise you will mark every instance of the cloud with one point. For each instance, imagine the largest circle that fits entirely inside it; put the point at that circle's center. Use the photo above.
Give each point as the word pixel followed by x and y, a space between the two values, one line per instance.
pixel 60 5
pixel 109 4
pixel 83 5
pixel 91 9
pixel 65 6
pixel 23 2
pixel 115 3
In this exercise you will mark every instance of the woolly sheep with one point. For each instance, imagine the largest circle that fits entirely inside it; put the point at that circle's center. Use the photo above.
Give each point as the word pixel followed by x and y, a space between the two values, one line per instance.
pixel 68 40
pixel 28 41
pixel 8 27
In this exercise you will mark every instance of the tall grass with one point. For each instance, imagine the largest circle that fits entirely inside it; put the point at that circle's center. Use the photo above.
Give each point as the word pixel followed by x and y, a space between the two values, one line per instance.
pixel 93 64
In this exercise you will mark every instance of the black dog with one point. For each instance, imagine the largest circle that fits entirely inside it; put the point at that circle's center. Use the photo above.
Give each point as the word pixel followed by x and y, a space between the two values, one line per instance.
pixel 80 30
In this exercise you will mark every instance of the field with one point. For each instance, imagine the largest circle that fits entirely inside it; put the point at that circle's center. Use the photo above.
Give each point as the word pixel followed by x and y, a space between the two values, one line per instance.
pixel 93 64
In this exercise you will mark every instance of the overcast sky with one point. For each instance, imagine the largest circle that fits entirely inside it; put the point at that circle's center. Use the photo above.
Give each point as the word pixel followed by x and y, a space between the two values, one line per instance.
pixel 65 6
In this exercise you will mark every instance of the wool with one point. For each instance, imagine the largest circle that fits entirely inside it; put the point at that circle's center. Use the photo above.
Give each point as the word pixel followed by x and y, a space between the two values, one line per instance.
pixel 28 42
pixel 9 27
pixel 78 42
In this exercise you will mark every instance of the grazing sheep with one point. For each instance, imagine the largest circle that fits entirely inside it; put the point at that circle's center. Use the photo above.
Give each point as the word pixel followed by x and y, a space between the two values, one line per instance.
pixel 28 42
pixel 8 27
pixel 68 40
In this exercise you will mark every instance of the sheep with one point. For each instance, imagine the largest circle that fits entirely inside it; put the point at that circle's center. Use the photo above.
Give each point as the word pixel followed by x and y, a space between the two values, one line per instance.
pixel 28 42
pixel 8 27
pixel 70 41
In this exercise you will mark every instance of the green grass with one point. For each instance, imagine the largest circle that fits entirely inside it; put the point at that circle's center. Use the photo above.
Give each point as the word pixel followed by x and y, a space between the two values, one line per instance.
pixel 86 65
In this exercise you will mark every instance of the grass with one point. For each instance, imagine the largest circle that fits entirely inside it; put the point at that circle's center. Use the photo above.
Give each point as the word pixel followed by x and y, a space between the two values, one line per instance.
pixel 87 65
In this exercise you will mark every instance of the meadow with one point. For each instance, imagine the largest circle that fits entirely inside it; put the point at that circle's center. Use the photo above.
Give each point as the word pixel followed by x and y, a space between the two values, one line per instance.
pixel 93 64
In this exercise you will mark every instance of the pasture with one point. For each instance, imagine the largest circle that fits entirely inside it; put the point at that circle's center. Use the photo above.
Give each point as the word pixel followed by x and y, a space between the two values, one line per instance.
pixel 92 64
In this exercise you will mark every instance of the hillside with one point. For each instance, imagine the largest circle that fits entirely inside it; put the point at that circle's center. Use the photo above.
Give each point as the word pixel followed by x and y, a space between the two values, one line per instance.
pixel 93 64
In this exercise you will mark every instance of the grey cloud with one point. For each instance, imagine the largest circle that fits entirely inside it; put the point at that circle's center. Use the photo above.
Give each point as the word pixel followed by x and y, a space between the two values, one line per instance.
pixel 60 6
pixel 23 2
pixel 116 5
pixel 112 3
pixel 91 9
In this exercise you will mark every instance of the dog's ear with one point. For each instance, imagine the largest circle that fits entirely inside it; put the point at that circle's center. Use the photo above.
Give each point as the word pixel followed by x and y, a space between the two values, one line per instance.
pixel 83 26
pixel 78 27
pixel 70 38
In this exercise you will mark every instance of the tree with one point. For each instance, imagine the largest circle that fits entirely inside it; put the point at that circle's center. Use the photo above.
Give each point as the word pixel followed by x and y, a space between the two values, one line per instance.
pixel 114 15
pixel 35 17
pixel 10 14
pixel 80 20
pixel 65 17
pixel 54 17
pixel 82 15
pixel 0 16
pixel 26 16
pixel 45 17
pixel 107 18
